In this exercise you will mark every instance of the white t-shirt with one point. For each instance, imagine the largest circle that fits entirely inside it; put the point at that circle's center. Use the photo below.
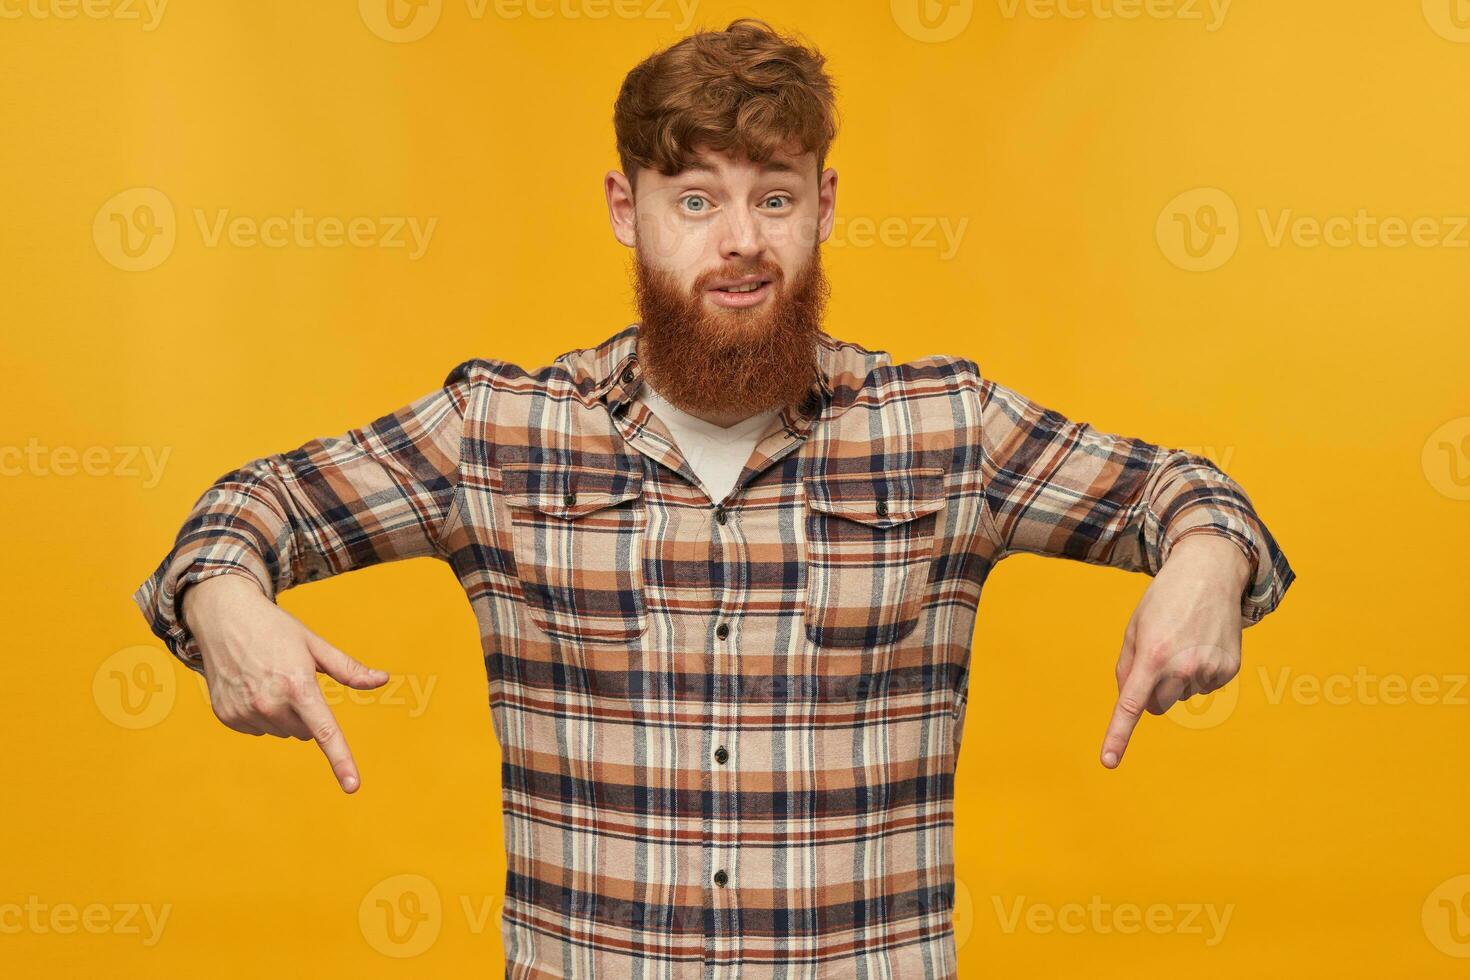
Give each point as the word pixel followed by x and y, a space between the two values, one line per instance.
pixel 716 453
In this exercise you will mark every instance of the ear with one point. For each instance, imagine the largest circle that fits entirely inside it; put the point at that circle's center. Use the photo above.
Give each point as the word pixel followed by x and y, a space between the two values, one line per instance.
pixel 826 203
pixel 620 211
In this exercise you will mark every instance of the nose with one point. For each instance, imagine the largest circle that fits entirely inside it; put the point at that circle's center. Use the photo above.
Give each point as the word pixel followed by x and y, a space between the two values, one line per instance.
pixel 739 236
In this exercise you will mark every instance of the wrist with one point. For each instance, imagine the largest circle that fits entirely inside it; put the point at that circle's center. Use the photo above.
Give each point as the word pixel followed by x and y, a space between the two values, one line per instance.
pixel 1213 556
pixel 200 599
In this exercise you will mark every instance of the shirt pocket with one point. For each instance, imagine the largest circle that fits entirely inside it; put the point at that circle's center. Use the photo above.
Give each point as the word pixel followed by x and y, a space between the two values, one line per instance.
pixel 870 545
pixel 579 540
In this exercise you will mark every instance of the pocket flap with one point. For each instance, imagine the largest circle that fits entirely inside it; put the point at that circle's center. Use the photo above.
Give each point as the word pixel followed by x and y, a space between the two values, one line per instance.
pixel 879 498
pixel 568 490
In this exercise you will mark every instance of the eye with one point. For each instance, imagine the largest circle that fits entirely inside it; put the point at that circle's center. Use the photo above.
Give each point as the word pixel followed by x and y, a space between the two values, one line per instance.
pixel 782 198
pixel 695 203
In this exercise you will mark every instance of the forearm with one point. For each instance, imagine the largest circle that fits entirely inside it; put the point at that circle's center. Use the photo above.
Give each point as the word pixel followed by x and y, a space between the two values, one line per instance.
pixel 238 530
pixel 377 493
pixel 1062 488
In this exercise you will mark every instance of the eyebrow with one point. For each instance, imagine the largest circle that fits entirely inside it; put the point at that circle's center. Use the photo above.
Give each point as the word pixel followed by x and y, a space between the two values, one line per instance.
pixel 774 165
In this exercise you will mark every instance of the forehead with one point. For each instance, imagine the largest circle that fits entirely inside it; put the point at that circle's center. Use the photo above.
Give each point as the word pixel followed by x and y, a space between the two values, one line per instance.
pixel 726 164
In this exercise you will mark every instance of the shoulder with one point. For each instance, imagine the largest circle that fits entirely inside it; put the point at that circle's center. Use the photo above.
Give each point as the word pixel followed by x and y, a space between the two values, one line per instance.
pixel 583 369
pixel 858 373
pixel 947 371
pixel 496 373
pixel 475 371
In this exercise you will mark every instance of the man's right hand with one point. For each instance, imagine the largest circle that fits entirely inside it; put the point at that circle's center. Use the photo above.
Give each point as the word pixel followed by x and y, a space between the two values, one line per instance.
pixel 261 664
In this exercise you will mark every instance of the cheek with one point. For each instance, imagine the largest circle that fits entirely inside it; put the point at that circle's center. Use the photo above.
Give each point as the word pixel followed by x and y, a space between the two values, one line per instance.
pixel 672 244
pixel 794 258
pixel 681 273
pixel 792 239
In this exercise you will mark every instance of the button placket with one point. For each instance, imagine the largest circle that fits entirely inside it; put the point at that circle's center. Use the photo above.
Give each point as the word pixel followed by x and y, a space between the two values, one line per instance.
pixel 721 776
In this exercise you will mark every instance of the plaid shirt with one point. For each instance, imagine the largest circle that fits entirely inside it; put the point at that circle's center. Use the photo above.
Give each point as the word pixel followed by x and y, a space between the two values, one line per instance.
pixel 729 729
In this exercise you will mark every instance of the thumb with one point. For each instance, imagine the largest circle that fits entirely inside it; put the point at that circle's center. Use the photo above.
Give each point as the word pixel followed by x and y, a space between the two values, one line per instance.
pixel 342 668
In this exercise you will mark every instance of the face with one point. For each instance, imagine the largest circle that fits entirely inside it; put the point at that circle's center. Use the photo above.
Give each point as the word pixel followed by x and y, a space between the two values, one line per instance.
pixel 728 278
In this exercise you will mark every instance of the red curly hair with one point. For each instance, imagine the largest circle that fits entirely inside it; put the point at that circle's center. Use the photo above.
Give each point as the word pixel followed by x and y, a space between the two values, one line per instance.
pixel 746 89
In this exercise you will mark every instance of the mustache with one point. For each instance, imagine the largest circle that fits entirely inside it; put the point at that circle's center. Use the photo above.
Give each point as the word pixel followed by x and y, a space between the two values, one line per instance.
pixel 766 270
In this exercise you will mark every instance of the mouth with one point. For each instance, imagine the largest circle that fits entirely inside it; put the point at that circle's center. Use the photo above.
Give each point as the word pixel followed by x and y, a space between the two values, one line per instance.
pixel 740 293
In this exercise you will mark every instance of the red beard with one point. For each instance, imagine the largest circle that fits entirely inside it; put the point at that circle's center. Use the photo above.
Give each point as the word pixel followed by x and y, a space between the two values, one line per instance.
pixel 723 362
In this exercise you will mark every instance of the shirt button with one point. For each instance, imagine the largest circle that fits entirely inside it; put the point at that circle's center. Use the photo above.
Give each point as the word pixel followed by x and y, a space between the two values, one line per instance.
pixel 722 630
pixel 570 498
pixel 720 513
pixel 721 877
pixel 721 756
pixel 882 508
pixel 627 375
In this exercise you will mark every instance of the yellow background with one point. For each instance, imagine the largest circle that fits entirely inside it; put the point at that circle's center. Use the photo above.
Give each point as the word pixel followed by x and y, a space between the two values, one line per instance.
pixel 1329 380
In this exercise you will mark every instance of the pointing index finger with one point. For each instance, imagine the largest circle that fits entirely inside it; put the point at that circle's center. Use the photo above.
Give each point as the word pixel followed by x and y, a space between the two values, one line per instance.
pixel 1129 708
pixel 322 724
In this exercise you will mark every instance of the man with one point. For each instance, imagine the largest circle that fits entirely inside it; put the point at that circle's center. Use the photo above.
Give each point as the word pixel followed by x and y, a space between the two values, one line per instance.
pixel 725 567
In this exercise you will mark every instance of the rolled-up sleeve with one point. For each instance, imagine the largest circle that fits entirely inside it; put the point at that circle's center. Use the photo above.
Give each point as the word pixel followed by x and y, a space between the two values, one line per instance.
pixel 377 493
pixel 1062 488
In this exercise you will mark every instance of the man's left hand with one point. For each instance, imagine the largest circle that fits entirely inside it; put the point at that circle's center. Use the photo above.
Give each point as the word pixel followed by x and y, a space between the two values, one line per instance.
pixel 1183 638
